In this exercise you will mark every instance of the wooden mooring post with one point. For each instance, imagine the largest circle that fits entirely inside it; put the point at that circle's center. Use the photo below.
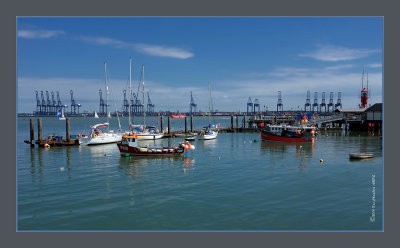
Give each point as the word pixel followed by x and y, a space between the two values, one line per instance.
pixel 191 123
pixel 169 125
pixel 67 126
pixel 39 129
pixel 162 123
pixel 232 122
pixel 237 123
pixel 186 126
pixel 32 132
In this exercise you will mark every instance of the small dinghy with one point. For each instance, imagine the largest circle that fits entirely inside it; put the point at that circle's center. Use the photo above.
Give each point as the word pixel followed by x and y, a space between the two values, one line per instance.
pixel 360 155
pixel 190 138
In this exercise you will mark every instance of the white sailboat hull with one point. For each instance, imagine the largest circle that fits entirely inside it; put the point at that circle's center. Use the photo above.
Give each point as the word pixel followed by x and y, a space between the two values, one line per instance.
pixel 104 138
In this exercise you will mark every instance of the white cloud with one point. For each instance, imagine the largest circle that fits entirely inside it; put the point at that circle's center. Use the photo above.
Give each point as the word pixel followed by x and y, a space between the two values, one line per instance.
pixel 153 50
pixel 376 65
pixel 337 53
pixel 163 51
pixel 39 34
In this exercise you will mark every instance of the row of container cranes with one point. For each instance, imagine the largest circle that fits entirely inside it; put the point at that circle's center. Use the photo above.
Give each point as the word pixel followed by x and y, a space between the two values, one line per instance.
pixel 46 106
pixel 254 107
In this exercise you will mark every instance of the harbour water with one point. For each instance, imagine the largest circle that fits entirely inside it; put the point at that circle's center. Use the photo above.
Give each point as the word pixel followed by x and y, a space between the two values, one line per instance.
pixel 235 182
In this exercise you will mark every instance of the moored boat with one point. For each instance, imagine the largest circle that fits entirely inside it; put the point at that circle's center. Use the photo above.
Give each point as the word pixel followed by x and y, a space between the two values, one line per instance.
pixel 60 114
pixel 288 133
pixel 207 134
pixel 178 115
pixel 360 155
pixel 98 137
pixel 128 146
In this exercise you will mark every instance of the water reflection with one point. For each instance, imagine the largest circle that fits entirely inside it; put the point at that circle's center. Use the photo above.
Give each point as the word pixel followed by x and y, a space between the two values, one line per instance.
pixel 304 151
pixel 100 151
pixel 133 165
pixel 208 143
pixel 278 147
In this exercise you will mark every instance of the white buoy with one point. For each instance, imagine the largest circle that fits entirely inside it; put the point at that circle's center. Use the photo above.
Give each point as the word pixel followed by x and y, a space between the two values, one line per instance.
pixel 61 168
pixel 192 147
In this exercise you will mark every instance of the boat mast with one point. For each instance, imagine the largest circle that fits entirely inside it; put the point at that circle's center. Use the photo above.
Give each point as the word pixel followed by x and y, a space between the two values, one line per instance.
pixel 209 103
pixel 144 104
pixel 130 91
pixel 105 73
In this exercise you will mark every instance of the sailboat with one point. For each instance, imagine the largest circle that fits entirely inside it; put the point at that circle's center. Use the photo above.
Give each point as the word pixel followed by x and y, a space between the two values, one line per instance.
pixel 206 133
pixel 146 132
pixel 98 136
pixel 60 114
pixel 95 114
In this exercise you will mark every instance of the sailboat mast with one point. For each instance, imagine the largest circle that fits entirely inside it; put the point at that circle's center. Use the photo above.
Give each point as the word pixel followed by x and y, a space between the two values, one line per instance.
pixel 130 91
pixel 144 104
pixel 105 73
pixel 209 104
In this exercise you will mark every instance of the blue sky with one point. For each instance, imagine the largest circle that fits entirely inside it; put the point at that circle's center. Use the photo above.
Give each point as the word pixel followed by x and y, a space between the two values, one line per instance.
pixel 241 57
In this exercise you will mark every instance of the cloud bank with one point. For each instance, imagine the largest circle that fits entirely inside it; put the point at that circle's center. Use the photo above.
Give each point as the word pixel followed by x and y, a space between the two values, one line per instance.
pixel 337 53
pixel 153 50
pixel 39 34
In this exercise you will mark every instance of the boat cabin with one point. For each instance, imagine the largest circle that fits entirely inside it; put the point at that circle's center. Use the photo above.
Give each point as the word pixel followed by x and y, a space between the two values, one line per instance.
pixel 289 130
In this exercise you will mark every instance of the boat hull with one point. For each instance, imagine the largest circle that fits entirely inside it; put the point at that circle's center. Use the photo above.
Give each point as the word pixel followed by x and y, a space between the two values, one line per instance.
pixel 272 137
pixel 150 136
pixel 207 136
pixel 101 139
pixel 127 150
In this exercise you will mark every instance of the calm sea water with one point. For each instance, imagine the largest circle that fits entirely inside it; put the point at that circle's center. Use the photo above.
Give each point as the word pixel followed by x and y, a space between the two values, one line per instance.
pixel 235 182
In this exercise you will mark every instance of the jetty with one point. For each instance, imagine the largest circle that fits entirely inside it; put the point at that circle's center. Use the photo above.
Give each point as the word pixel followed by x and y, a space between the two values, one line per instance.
pixel 51 140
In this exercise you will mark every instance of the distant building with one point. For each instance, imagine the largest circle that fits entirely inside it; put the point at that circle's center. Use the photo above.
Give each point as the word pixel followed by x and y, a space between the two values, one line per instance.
pixel 374 113
pixel 373 116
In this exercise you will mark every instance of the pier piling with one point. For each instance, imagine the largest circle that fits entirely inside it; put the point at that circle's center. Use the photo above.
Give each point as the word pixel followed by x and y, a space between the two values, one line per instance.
pixel 237 123
pixel 68 134
pixel 169 125
pixel 186 126
pixel 32 132
pixel 39 129
pixel 232 122
pixel 191 123
pixel 162 123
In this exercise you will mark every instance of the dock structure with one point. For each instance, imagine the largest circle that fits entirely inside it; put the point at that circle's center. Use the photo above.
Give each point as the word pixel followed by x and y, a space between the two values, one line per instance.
pixel 51 140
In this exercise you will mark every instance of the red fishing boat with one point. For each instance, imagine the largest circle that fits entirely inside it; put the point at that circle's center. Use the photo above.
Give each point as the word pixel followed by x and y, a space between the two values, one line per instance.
pixel 128 146
pixel 288 133
pixel 178 115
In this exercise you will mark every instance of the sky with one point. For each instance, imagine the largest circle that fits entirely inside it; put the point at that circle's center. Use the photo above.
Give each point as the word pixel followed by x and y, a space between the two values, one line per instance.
pixel 240 57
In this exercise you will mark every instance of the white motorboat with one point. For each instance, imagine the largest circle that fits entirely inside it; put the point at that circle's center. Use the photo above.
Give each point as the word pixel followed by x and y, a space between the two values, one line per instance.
pixel 207 134
pixel 98 137
pixel 147 133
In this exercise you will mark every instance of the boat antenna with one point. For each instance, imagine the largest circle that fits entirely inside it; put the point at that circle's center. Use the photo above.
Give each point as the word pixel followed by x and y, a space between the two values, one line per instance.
pixel 105 75
pixel 130 91
pixel 115 106
pixel 209 107
pixel 144 104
